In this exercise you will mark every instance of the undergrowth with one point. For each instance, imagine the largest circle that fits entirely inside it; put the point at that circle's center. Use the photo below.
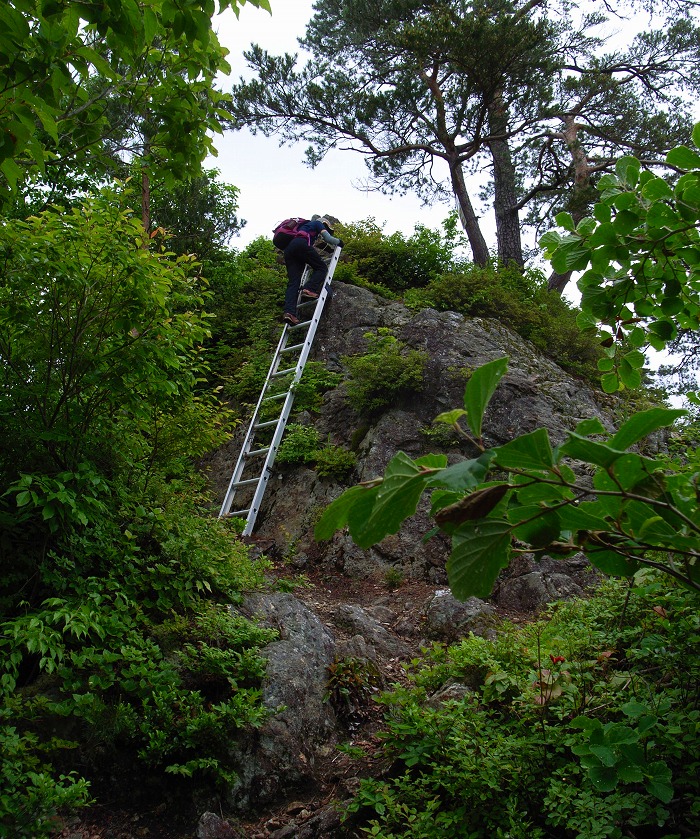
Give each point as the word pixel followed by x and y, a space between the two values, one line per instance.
pixel 583 724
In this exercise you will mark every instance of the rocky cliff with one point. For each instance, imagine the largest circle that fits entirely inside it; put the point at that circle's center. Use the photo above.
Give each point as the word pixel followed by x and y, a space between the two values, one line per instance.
pixel 349 612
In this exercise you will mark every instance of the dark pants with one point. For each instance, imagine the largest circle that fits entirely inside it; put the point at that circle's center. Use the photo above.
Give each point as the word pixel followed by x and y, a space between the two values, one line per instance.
pixel 297 255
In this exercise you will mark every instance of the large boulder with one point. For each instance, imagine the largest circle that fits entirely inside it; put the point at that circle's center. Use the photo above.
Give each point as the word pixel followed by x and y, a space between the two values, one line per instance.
pixel 281 754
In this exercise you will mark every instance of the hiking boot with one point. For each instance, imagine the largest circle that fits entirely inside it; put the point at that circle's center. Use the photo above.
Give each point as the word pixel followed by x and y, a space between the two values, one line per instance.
pixel 307 294
pixel 291 319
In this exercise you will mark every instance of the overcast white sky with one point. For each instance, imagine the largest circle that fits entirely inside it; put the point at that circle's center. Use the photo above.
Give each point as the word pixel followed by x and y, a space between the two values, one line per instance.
pixel 274 182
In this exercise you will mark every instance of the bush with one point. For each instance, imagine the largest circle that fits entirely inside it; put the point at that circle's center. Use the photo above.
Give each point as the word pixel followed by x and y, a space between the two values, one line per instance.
pixel 299 445
pixel 335 462
pixel 32 793
pixel 387 371
pixel 391 264
pixel 113 566
pixel 302 444
pixel 584 723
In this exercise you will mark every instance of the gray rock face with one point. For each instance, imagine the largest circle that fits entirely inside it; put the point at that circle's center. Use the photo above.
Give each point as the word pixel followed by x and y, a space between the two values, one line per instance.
pixel 528 585
pixel 211 826
pixel 534 393
pixel 356 620
pixel 282 752
pixel 447 619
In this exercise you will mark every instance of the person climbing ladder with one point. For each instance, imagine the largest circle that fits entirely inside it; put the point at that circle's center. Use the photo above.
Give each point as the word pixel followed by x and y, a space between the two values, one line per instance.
pixel 296 243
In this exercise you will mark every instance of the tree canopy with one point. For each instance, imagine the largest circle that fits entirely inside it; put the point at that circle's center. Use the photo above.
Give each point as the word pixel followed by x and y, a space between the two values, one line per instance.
pixel 433 92
pixel 84 81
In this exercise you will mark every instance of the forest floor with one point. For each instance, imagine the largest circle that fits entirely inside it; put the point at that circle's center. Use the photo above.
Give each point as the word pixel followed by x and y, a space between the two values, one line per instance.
pixel 337 774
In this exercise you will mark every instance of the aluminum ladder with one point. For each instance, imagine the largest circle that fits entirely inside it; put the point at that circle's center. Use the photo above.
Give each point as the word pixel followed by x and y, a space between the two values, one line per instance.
pixel 288 347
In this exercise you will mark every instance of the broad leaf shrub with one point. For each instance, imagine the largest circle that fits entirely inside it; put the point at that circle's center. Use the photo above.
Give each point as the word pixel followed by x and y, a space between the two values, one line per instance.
pixel 521 301
pixel 391 264
pixel 582 724
pixel 387 371
pixel 303 444
pixel 640 255
pixel 114 626
pixel 247 291
pixel 125 639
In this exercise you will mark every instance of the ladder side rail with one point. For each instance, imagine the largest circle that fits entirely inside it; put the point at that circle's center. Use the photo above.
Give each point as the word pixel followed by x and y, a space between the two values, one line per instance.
pixel 250 434
pixel 289 401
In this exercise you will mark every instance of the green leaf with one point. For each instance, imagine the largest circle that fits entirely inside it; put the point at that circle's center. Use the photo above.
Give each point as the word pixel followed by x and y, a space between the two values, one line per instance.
pixel 605 754
pixel 588 427
pixel 637 337
pixel 630 774
pixel 451 417
pixel 610 383
pixel 660 216
pixel 627 170
pixel 540 531
pixel 536 493
pixel 603 778
pixel 696 135
pixel 530 451
pixel 635 358
pixel 610 562
pixel 566 221
pixel 580 448
pixel 683 158
pixel 584 516
pixel 656 189
pixel 602 212
pixel 634 709
pixel 604 235
pixel 396 499
pixel 431 461
pixel 479 551
pixel 643 423
pixel 335 516
pixel 629 376
pixel 586 723
pixel 479 390
pixel 464 475
pixel 659 784
pixel 625 222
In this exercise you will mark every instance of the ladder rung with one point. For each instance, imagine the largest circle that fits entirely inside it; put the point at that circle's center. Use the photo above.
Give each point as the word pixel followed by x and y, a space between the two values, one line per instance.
pixel 257 452
pixel 284 372
pixel 292 348
pixel 274 396
pixel 238 512
pixel 299 325
pixel 249 482
pixel 267 423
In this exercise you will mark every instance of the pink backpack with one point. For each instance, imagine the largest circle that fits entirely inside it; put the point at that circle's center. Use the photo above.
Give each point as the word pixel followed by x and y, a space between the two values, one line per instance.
pixel 290 227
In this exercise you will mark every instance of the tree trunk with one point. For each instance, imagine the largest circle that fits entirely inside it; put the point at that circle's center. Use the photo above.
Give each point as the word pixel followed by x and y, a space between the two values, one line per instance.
pixel 581 195
pixel 470 222
pixel 145 201
pixel 505 202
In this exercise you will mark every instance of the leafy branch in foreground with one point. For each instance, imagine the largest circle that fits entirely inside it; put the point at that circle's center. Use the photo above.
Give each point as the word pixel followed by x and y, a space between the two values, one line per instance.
pixel 640 254
pixel 523 496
